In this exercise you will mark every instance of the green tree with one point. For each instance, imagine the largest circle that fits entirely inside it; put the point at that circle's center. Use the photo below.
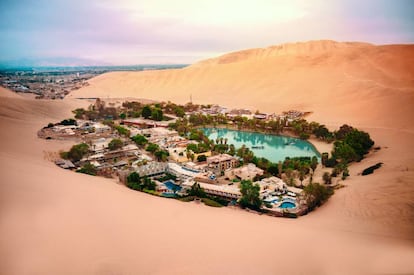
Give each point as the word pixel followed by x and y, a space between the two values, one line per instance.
pixel 88 169
pixel 201 158
pixel 314 163
pixel 157 114
pixel 192 147
pixel 148 184
pixel 302 175
pixel 273 169
pixel 79 113
pixel 122 116
pixel 345 173
pixel 161 155
pixel 327 179
pixel 68 122
pixel 232 149
pixel 152 147
pixel 179 111
pixel 115 144
pixel 77 152
pixel 197 191
pixel 134 181
pixel 250 195
pixel 316 194
pixel 324 158
pixel 146 111
pixel 122 131
pixel 359 141
pixel 134 177
pixel 344 152
pixel 139 140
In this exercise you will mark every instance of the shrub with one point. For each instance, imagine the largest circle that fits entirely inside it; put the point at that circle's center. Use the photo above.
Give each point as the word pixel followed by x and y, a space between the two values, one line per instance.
pixel 69 121
pixel 77 152
pixel 88 169
pixel 115 144
pixel 157 114
pixel 146 111
pixel 166 177
pixel 152 147
pixel 122 131
pixel 139 140
pixel 201 158
pixel 161 155
pixel 327 179
pixel 197 191
pixel 187 199
pixel 152 192
pixel 211 202
pixel 64 154
pixel 316 194
pixel 268 205
pixel 250 195
pixel 331 162
pixel 290 215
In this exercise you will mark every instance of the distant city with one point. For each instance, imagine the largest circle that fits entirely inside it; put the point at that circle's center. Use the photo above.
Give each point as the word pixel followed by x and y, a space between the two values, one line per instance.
pixel 57 82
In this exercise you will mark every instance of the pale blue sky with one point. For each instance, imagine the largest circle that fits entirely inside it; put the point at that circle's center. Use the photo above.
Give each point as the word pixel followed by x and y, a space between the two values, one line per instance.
pixel 184 31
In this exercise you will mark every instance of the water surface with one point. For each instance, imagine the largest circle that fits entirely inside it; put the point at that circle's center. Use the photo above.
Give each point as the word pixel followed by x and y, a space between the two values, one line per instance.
pixel 274 148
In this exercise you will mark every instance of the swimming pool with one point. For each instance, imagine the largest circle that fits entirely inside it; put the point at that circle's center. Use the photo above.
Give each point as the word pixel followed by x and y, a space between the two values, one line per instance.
pixel 168 195
pixel 172 186
pixel 287 204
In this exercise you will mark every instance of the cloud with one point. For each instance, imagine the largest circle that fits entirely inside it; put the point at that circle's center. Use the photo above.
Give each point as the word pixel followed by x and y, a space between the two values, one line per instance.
pixel 131 30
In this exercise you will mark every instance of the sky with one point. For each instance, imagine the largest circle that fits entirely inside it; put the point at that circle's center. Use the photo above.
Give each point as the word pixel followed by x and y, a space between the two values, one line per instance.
pixel 126 32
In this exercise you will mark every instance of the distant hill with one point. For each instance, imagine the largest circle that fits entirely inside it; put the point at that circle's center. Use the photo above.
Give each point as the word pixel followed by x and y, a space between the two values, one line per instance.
pixel 352 82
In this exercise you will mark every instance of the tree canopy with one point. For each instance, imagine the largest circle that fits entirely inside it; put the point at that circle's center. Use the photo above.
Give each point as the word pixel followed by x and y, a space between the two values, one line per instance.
pixel 115 144
pixel 88 169
pixel 139 140
pixel 316 194
pixel 77 152
pixel 250 195
pixel 146 111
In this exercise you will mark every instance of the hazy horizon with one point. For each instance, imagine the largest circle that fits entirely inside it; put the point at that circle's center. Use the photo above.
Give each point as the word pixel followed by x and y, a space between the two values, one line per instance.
pixel 159 32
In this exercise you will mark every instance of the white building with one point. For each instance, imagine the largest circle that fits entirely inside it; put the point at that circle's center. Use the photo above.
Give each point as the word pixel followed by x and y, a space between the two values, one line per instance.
pixel 225 191
pixel 246 172
pixel 182 172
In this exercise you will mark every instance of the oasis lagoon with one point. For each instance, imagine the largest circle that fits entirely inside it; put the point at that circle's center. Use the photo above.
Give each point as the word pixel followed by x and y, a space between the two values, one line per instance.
pixel 272 147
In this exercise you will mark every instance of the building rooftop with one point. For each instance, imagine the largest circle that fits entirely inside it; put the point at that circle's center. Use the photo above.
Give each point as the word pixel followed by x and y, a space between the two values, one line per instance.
pixel 220 158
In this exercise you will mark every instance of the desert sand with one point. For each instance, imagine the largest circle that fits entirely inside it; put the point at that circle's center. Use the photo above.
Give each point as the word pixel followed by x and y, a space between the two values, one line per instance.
pixel 55 221
pixel 308 76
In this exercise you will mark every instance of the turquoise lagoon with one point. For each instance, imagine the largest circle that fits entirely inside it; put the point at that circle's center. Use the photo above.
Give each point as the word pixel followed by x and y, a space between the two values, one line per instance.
pixel 274 148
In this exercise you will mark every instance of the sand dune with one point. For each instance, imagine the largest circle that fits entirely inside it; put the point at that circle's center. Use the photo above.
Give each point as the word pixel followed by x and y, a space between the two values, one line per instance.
pixel 54 221
pixel 334 79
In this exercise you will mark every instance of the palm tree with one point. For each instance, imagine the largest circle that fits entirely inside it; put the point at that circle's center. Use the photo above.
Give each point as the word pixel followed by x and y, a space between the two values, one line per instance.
pixel 301 176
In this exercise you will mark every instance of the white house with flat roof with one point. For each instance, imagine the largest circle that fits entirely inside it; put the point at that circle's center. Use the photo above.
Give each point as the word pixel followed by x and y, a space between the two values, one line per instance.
pixel 225 191
pixel 246 172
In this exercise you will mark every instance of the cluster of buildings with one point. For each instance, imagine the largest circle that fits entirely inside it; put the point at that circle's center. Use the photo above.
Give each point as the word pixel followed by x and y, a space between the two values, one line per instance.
pixel 48 82
pixel 82 130
pixel 215 110
pixel 219 175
